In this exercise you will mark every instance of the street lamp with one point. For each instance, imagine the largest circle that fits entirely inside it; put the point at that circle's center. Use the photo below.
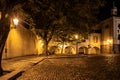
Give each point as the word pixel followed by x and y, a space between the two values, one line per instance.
pixel 108 42
pixel 76 37
pixel 15 21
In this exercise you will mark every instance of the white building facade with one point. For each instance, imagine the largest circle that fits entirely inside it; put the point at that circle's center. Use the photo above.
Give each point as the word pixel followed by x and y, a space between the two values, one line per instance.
pixel 110 35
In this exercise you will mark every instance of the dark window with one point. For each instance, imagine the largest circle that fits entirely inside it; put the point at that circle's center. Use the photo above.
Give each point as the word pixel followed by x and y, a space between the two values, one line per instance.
pixel 118 36
pixel 118 31
pixel 119 26
pixel 107 26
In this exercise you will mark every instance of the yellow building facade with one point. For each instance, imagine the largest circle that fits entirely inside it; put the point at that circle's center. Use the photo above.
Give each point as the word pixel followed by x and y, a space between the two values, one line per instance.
pixel 20 42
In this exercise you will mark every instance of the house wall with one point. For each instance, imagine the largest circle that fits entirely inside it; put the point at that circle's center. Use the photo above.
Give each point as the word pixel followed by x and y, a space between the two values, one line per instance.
pixel 116 38
pixel 94 40
pixel 110 36
pixel 91 45
pixel 94 43
pixel 20 42
pixel 107 36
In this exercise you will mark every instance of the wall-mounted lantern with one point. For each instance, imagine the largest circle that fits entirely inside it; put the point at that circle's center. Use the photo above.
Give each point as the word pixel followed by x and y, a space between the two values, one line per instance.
pixel 15 22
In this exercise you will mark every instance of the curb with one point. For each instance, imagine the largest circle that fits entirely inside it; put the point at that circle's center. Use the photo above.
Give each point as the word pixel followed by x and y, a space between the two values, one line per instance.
pixel 15 74
pixel 12 75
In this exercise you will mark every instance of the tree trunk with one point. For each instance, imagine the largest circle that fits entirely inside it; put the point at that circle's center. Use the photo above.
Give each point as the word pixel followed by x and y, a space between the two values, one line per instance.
pixel 62 48
pixel 45 51
pixel 2 44
pixel 4 30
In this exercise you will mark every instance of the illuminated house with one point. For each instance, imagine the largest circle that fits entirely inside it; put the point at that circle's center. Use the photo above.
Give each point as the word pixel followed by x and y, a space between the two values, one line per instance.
pixel 106 41
pixel 110 35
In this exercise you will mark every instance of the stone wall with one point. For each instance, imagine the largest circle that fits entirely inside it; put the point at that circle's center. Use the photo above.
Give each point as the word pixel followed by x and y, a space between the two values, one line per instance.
pixel 20 42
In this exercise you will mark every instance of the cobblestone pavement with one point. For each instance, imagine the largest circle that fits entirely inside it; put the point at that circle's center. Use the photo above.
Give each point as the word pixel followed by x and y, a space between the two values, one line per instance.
pixel 95 67
pixel 20 62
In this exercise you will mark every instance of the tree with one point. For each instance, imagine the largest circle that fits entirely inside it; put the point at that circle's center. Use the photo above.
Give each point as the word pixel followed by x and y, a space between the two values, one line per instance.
pixel 80 17
pixel 47 18
pixel 8 9
pixel 82 14
pixel 4 29
pixel 51 16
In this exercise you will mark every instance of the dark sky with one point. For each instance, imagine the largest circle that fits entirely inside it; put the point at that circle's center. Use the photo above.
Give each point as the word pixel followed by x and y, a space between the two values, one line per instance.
pixel 105 12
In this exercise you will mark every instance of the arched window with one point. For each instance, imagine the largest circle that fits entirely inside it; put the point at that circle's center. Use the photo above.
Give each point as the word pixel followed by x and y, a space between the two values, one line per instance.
pixel 118 36
pixel 119 26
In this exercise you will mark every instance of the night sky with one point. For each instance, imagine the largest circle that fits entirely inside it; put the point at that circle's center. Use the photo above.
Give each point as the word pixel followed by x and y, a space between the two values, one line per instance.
pixel 105 12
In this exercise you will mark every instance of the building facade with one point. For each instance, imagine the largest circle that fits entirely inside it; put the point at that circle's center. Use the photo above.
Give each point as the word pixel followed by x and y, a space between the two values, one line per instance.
pixel 107 41
pixel 110 35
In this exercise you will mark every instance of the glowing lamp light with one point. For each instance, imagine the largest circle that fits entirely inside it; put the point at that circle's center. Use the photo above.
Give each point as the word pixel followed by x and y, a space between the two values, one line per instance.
pixel 108 41
pixel 60 46
pixel 76 36
pixel 41 43
pixel 15 21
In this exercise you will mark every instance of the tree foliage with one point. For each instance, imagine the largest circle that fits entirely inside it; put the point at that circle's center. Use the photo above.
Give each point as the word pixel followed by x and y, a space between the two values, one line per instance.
pixel 51 17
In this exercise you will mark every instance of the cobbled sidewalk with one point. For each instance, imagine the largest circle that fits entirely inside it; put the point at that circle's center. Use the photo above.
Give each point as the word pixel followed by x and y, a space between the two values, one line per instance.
pixel 19 64
pixel 16 66
pixel 91 67
pixel 26 61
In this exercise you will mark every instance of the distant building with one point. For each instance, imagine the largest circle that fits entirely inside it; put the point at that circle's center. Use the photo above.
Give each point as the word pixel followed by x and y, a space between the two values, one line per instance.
pixel 108 39
pixel 110 35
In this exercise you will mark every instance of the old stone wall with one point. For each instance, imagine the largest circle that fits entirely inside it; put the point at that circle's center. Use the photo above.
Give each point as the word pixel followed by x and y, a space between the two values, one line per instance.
pixel 20 42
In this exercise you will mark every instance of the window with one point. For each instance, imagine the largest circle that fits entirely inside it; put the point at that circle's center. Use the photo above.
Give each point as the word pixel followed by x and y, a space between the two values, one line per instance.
pixel 107 26
pixel 118 36
pixel 118 31
pixel 119 26
pixel 95 39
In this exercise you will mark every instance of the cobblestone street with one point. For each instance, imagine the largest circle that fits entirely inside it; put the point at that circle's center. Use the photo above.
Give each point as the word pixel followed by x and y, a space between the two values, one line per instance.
pixel 89 67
